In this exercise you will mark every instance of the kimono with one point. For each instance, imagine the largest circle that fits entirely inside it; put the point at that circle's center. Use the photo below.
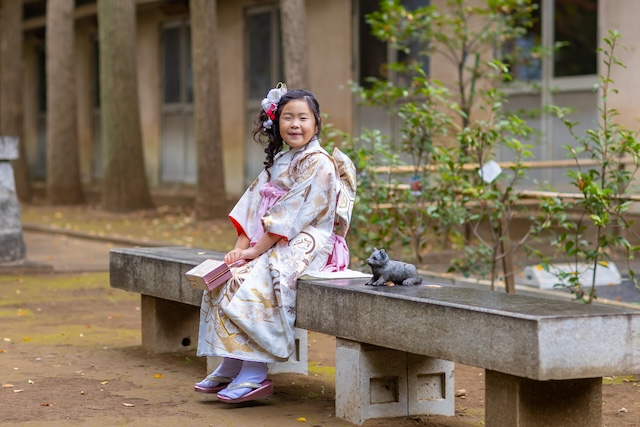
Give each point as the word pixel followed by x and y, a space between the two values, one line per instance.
pixel 252 316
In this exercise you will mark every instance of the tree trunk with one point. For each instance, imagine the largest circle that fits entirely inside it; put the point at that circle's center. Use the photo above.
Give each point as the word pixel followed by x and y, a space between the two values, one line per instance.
pixel 11 66
pixel 210 195
pixel 294 43
pixel 124 184
pixel 63 163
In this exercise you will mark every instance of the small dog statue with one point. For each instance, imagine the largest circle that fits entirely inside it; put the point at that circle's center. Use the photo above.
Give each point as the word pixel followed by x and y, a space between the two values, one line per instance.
pixel 385 270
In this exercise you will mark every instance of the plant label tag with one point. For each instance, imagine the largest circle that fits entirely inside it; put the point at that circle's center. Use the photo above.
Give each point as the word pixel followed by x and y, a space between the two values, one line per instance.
pixel 490 171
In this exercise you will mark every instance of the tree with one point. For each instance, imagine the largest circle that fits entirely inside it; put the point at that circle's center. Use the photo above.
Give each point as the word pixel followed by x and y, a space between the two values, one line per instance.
pixel 63 166
pixel 124 184
pixel 210 194
pixel 294 43
pixel 11 65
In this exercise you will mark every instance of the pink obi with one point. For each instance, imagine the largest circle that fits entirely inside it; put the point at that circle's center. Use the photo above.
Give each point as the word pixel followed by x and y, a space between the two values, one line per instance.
pixel 339 258
pixel 270 195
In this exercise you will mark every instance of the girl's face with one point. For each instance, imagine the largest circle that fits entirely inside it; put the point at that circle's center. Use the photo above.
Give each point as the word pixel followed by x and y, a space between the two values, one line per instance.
pixel 297 123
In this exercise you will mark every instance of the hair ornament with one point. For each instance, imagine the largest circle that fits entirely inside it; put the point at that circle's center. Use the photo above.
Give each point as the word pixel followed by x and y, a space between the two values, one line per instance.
pixel 270 104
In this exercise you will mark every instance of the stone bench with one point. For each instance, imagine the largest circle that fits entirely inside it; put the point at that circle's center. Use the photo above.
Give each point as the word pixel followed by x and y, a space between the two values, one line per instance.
pixel 396 346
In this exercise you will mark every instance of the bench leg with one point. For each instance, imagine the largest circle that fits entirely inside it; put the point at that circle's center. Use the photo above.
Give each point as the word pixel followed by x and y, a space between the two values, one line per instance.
pixel 168 326
pixel 522 402
pixel 377 382
pixel 298 363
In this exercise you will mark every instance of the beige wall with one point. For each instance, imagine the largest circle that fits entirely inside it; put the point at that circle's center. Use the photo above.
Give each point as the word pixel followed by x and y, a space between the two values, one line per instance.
pixel 148 57
pixel 330 40
pixel 232 91
pixel 622 15
pixel 84 33
pixel 30 100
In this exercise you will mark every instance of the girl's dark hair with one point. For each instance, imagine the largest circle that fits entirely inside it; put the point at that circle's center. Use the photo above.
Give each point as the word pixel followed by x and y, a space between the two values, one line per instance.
pixel 270 138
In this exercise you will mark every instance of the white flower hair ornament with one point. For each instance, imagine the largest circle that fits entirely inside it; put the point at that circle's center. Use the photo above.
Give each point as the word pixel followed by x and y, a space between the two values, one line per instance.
pixel 270 104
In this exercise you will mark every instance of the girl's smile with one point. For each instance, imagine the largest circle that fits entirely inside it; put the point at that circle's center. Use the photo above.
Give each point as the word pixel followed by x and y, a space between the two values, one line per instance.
pixel 297 123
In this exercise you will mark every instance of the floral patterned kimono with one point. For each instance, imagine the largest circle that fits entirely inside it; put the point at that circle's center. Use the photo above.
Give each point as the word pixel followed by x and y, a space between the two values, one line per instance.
pixel 252 316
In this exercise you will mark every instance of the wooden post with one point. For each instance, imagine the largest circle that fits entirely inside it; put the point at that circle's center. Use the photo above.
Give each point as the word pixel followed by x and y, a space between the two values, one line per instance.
pixel 506 250
pixel 507 260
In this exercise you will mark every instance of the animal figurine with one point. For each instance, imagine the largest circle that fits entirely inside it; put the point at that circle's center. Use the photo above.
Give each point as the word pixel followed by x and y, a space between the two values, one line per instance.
pixel 387 270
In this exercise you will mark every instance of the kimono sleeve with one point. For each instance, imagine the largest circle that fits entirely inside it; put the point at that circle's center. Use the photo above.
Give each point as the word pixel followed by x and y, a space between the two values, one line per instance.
pixel 244 213
pixel 310 201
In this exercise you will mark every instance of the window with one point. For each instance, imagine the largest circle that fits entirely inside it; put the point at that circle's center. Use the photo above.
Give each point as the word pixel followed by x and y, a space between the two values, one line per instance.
pixel 574 25
pixel 374 54
pixel 264 61
pixel 177 73
pixel 264 69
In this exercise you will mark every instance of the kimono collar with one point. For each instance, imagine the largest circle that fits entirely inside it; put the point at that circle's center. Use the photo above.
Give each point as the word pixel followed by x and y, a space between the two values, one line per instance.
pixel 284 158
pixel 313 143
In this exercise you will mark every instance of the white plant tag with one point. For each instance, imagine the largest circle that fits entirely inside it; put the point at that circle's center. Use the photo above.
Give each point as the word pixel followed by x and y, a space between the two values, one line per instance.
pixel 490 171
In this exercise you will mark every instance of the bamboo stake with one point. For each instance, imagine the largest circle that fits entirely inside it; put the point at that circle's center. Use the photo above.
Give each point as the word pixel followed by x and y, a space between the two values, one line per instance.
pixel 504 165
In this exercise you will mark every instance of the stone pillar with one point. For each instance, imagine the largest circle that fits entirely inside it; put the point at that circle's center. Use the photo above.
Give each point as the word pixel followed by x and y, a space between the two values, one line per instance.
pixel 522 402
pixel 168 326
pixel 12 247
pixel 377 382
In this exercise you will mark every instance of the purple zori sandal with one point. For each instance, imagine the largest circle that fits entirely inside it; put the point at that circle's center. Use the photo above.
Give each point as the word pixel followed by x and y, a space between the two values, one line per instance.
pixel 206 385
pixel 260 390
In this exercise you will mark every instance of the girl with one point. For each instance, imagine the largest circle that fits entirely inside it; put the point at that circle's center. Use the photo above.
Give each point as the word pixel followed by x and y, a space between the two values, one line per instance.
pixel 285 223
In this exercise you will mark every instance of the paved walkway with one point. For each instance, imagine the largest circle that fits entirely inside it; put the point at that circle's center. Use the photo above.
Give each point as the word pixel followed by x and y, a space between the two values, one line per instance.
pixel 67 254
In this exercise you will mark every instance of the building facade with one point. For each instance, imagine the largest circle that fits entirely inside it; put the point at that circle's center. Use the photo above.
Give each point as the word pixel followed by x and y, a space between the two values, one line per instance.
pixel 340 50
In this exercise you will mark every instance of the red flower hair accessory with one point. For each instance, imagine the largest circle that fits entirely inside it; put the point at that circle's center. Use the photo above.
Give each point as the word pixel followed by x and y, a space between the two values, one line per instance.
pixel 270 104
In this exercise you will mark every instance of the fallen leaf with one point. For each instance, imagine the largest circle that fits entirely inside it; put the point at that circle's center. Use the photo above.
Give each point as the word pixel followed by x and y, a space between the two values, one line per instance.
pixel 21 312
pixel 2 351
pixel 7 385
pixel 158 376
pixel 128 405
pixel 301 419
pixel 26 339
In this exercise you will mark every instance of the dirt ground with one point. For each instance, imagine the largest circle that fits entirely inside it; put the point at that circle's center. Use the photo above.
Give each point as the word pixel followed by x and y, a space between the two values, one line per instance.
pixel 70 354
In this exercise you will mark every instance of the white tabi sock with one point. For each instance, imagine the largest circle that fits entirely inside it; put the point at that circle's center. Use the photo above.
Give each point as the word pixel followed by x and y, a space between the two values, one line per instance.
pixel 229 368
pixel 253 372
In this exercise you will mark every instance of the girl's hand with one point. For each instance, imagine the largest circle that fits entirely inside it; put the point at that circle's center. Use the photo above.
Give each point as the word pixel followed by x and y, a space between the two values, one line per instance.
pixel 233 256
pixel 238 254
pixel 249 253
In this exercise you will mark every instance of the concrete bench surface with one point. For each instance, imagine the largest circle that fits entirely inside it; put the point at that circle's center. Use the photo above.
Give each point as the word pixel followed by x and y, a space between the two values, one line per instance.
pixel 528 337
pixel 158 272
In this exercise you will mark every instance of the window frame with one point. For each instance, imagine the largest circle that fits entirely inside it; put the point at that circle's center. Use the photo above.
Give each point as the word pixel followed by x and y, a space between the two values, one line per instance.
pixel 548 82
